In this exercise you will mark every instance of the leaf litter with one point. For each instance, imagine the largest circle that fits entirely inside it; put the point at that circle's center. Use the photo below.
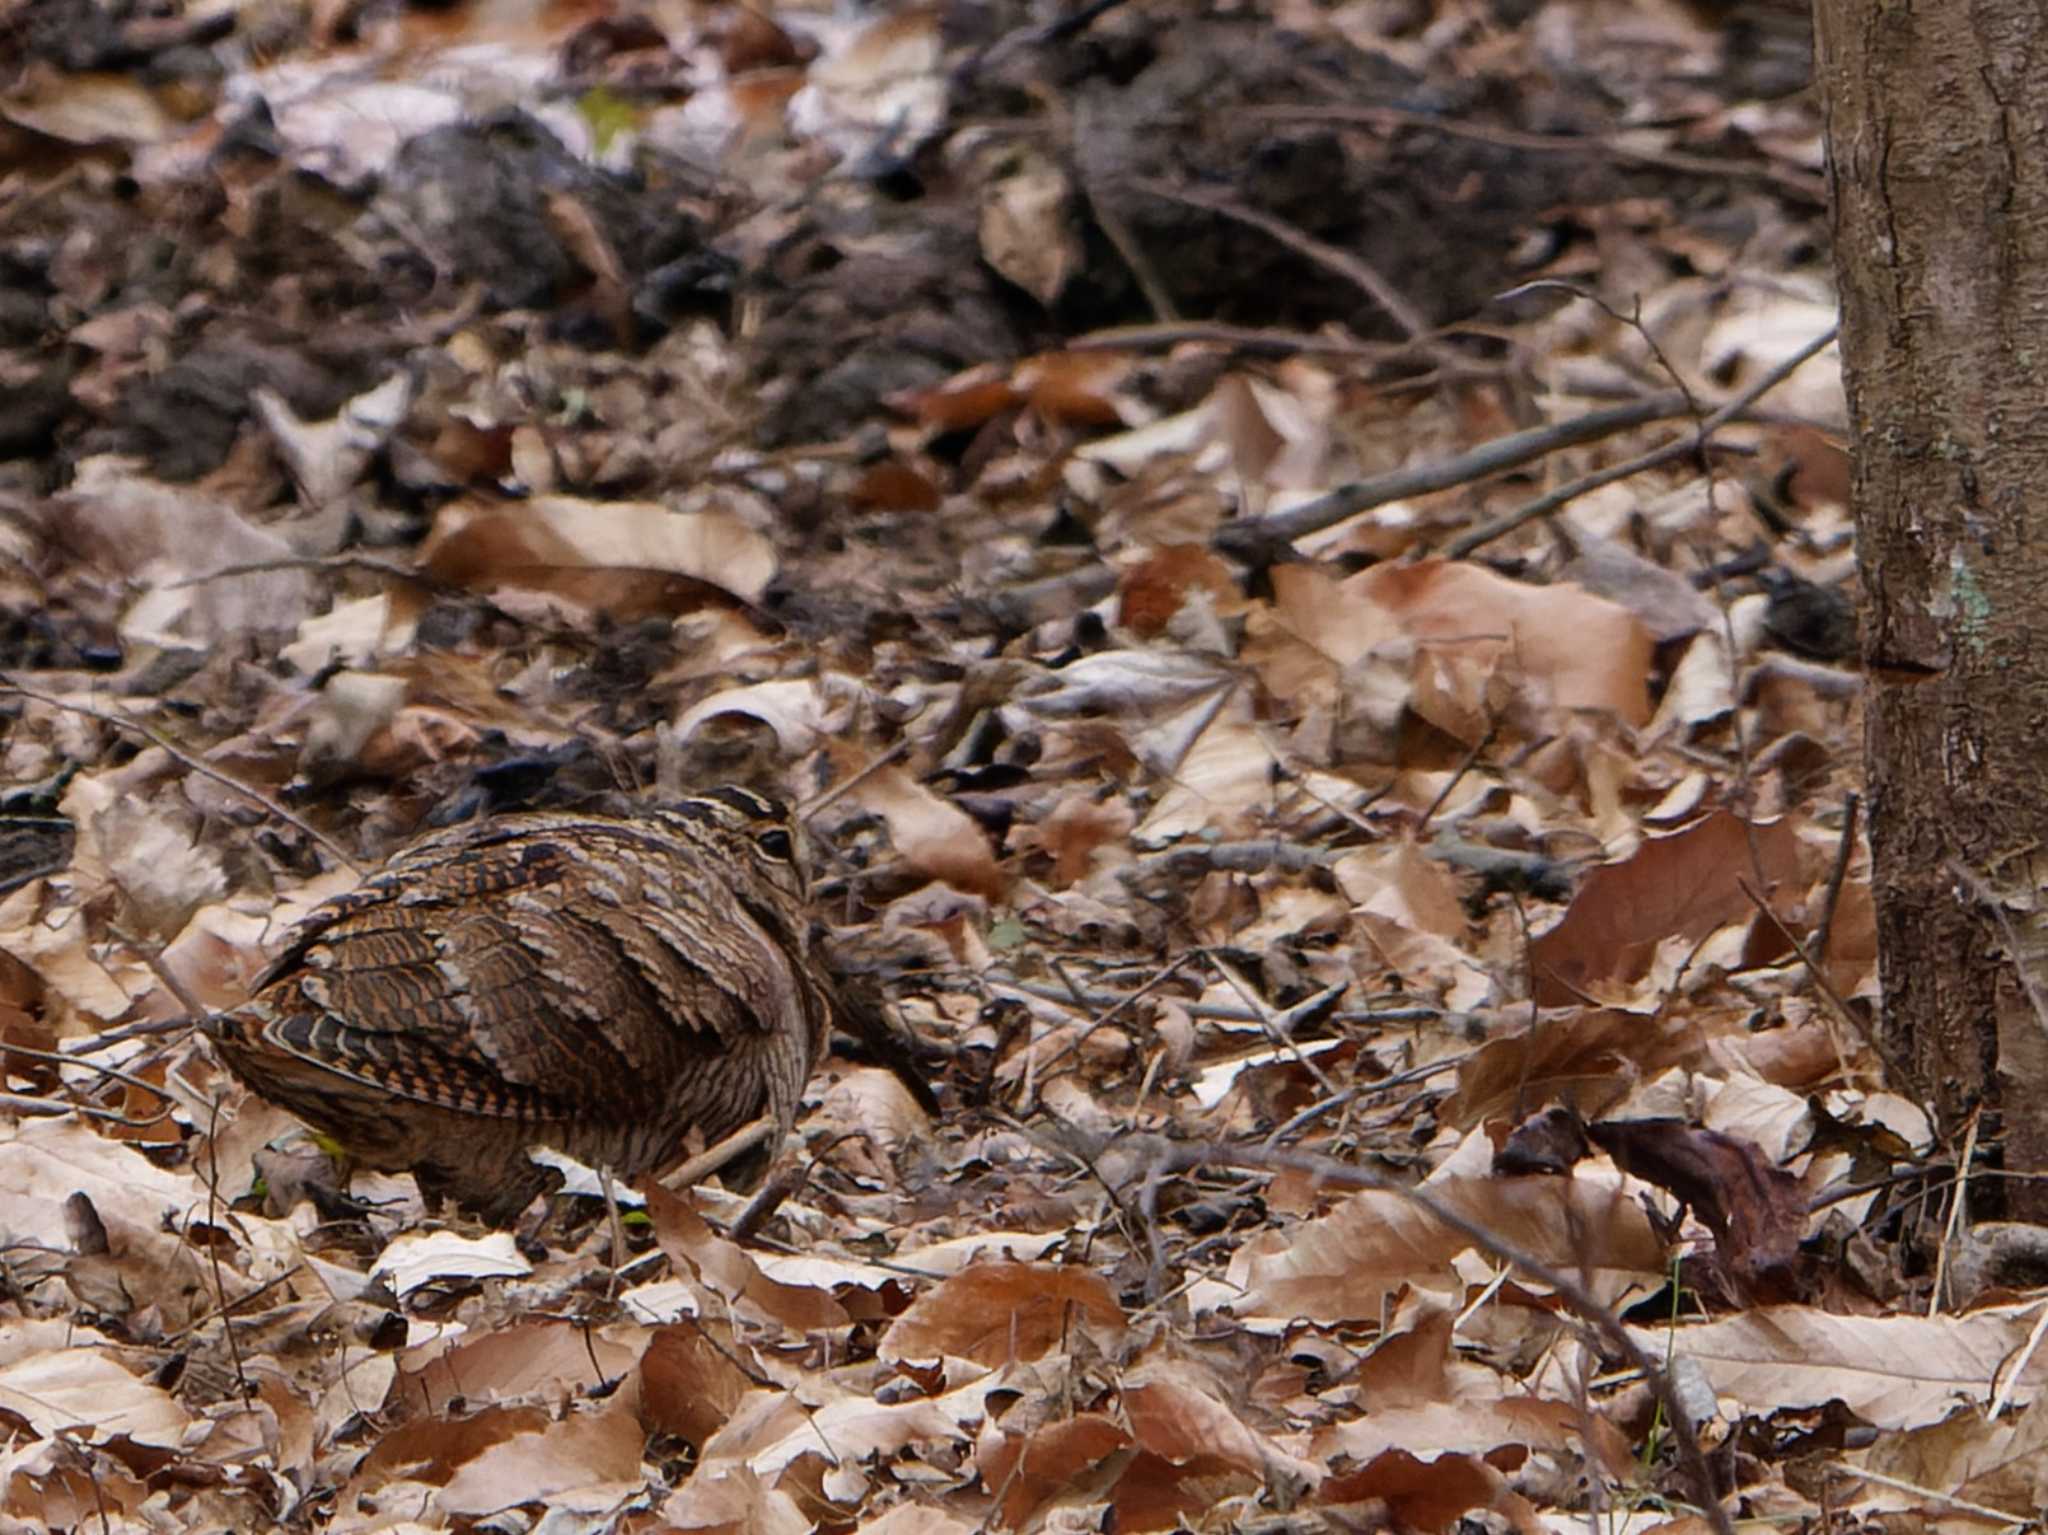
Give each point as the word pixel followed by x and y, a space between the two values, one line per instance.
pixel 1381 911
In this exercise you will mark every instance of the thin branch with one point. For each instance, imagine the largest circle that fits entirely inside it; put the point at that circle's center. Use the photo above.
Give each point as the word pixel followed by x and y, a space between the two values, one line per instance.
pixel 1824 930
pixel 1465 543
pixel 1489 458
pixel 178 753
pixel 1243 338
pixel 1342 262
pixel 1807 186
pixel 1176 1159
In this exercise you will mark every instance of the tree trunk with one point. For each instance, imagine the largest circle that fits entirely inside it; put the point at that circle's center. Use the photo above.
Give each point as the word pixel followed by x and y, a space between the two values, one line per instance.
pixel 1937 126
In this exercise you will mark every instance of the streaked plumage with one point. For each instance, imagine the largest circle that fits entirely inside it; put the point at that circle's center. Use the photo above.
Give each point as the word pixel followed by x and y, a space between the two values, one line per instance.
pixel 623 988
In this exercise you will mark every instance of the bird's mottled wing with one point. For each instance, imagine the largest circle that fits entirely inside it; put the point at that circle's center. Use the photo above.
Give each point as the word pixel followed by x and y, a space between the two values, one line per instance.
pixel 534 967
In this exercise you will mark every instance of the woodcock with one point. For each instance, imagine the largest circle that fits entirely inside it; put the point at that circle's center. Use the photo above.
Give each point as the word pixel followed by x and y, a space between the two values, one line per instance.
pixel 626 989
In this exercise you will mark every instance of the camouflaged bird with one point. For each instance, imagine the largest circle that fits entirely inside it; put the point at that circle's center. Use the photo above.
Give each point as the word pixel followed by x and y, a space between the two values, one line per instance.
pixel 626 989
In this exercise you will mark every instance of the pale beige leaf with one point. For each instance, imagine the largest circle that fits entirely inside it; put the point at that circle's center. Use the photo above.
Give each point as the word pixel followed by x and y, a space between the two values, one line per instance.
pixel 1895 1371
pixel 64 1379
pixel 1342 1266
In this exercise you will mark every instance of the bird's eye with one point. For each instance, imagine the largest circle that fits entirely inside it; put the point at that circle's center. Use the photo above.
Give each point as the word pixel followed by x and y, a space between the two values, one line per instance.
pixel 776 844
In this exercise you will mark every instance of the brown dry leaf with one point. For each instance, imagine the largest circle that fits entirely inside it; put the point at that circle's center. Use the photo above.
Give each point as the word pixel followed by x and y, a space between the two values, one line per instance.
pixel 157 536
pixel 1343 1265
pixel 588 1459
pixel 1893 1371
pixel 772 1432
pixel 1756 1210
pixel 87 108
pixel 867 1118
pixel 1027 227
pixel 537 1359
pixel 994 1313
pixel 417 1258
pixel 45 1162
pixel 690 1383
pixel 963 402
pixel 731 1500
pixel 1152 591
pixel 351 634
pixel 1402 883
pixel 1079 388
pixel 148 850
pixel 82 990
pixel 917 1519
pixel 433 1448
pixel 1425 1495
pixel 1025 1470
pixel 935 838
pixel 1222 780
pixel 61 1378
pixel 1075 829
pixel 1669 605
pixel 801 711
pixel 1587 652
pixel 1420 1392
pixel 1181 1417
pixel 1683 886
pixel 1852 942
pixel 1996 1463
pixel 54 1486
pixel 1589 1060
pixel 352 710
pixel 725 1267
pixel 327 458
pixel 1313 630
pixel 624 558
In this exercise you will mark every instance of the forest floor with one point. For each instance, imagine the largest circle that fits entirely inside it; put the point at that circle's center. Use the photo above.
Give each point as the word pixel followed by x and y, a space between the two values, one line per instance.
pixel 1297 560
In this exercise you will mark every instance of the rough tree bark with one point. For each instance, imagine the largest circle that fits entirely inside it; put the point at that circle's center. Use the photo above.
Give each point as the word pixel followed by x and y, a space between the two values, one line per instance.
pixel 1937 125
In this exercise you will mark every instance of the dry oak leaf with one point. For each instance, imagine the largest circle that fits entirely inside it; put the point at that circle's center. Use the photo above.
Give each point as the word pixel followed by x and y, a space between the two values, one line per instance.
pixel 1897 1372
pixel 1420 1391
pixel 725 1267
pixel 1342 1266
pixel 1427 1495
pixel 1756 1210
pixel 627 559
pixel 1588 653
pixel 1026 1470
pixel 58 1377
pixel 1686 886
pixel 588 1461
pixel 996 1313
pixel 732 1501
pixel 935 837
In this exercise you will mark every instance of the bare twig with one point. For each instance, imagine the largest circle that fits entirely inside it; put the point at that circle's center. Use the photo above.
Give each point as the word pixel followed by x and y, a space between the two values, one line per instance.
pixel 1242 338
pixel 1175 1159
pixel 709 1161
pixel 35 1106
pixel 1278 1029
pixel 1342 262
pixel 1824 930
pixel 178 754
pixel 326 563
pixel 810 808
pixel 1998 1516
pixel 1489 458
pixel 1471 759
pixel 1465 543
pixel 1811 188
pixel 1219 1012
pixel 1957 1215
pixel 1351 1095
pixel 1835 1001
